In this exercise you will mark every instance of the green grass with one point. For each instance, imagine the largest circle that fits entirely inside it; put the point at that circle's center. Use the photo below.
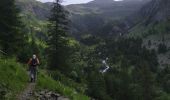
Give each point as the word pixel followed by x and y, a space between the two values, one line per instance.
pixel 13 79
pixel 46 82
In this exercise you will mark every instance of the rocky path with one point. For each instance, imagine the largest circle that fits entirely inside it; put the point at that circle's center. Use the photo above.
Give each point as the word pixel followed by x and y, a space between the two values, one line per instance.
pixel 49 95
pixel 30 94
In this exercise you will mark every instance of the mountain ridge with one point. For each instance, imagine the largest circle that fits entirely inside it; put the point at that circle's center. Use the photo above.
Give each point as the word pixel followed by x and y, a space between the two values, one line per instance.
pixel 85 18
pixel 151 24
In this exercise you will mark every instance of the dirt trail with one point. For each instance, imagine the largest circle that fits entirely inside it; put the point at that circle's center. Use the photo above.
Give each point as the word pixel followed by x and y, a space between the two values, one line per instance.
pixel 28 92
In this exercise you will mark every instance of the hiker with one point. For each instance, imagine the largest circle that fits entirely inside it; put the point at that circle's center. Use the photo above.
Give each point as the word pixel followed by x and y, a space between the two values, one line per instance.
pixel 33 62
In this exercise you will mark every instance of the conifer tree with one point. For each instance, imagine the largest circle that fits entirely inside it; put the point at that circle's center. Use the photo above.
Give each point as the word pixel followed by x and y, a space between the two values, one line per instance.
pixel 146 81
pixel 57 37
pixel 12 38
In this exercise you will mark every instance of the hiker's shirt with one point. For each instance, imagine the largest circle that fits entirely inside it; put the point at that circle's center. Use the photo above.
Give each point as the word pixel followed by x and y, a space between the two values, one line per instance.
pixel 30 62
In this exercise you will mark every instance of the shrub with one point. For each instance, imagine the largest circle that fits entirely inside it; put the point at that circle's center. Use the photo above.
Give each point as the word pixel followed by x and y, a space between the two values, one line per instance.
pixel 46 82
pixel 162 48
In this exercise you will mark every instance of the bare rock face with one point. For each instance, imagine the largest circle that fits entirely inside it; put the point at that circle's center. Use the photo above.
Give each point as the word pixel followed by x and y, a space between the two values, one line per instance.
pixel 153 11
pixel 49 95
pixel 156 10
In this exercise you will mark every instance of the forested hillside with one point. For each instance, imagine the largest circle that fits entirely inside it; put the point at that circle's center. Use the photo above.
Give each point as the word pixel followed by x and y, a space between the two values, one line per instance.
pixel 102 50
pixel 99 15
pixel 154 28
pixel 90 18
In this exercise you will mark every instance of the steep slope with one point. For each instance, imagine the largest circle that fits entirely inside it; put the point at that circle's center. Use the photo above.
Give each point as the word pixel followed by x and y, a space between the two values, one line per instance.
pixel 107 8
pixel 34 16
pixel 35 8
pixel 91 17
pixel 85 18
pixel 153 12
pixel 153 25
pixel 14 80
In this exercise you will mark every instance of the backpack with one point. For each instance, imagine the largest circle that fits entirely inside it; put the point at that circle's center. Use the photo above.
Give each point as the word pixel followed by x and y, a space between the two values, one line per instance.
pixel 34 62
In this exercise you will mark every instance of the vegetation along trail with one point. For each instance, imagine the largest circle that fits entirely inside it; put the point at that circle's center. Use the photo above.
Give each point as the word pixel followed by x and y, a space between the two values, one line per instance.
pixel 27 94
pixel 99 50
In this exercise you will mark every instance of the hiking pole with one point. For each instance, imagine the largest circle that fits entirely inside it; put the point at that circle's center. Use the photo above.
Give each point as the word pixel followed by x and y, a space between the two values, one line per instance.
pixel 3 52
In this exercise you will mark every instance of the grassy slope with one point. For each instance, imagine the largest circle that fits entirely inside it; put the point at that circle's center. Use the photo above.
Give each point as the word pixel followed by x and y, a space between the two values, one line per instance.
pixel 14 79
pixel 46 82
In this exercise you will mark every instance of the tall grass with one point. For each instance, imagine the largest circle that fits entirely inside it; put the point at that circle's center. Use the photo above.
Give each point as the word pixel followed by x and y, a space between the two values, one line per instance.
pixel 46 82
pixel 13 79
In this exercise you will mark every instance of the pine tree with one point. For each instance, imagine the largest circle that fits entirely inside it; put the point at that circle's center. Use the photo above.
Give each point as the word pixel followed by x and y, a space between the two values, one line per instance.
pixel 97 87
pixel 11 37
pixel 57 37
pixel 146 81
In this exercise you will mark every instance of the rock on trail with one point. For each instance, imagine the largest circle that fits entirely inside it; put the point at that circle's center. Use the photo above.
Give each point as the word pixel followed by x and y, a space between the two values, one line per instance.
pixel 49 95
pixel 30 94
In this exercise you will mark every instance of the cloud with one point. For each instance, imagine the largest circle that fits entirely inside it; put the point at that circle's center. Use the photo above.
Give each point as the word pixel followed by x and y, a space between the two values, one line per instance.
pixel 45 0
pixel 66 2
pixel 118 0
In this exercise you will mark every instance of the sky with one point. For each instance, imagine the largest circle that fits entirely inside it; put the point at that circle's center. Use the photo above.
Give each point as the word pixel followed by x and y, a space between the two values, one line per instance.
pixel 67 2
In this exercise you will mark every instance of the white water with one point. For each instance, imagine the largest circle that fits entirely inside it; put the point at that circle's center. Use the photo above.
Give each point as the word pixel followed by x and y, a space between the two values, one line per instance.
pixel 106 66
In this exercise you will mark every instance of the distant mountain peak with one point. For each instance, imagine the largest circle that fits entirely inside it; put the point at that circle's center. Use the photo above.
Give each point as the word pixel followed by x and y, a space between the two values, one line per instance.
pixel 115 1
pixel 102 1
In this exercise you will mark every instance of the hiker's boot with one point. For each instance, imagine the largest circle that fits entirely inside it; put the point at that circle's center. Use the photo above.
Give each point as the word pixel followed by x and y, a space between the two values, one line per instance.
pixel 31 79
pixel 34 80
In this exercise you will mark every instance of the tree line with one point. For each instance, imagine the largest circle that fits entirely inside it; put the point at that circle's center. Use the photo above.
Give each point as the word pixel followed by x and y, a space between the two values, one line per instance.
pixel 134 72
